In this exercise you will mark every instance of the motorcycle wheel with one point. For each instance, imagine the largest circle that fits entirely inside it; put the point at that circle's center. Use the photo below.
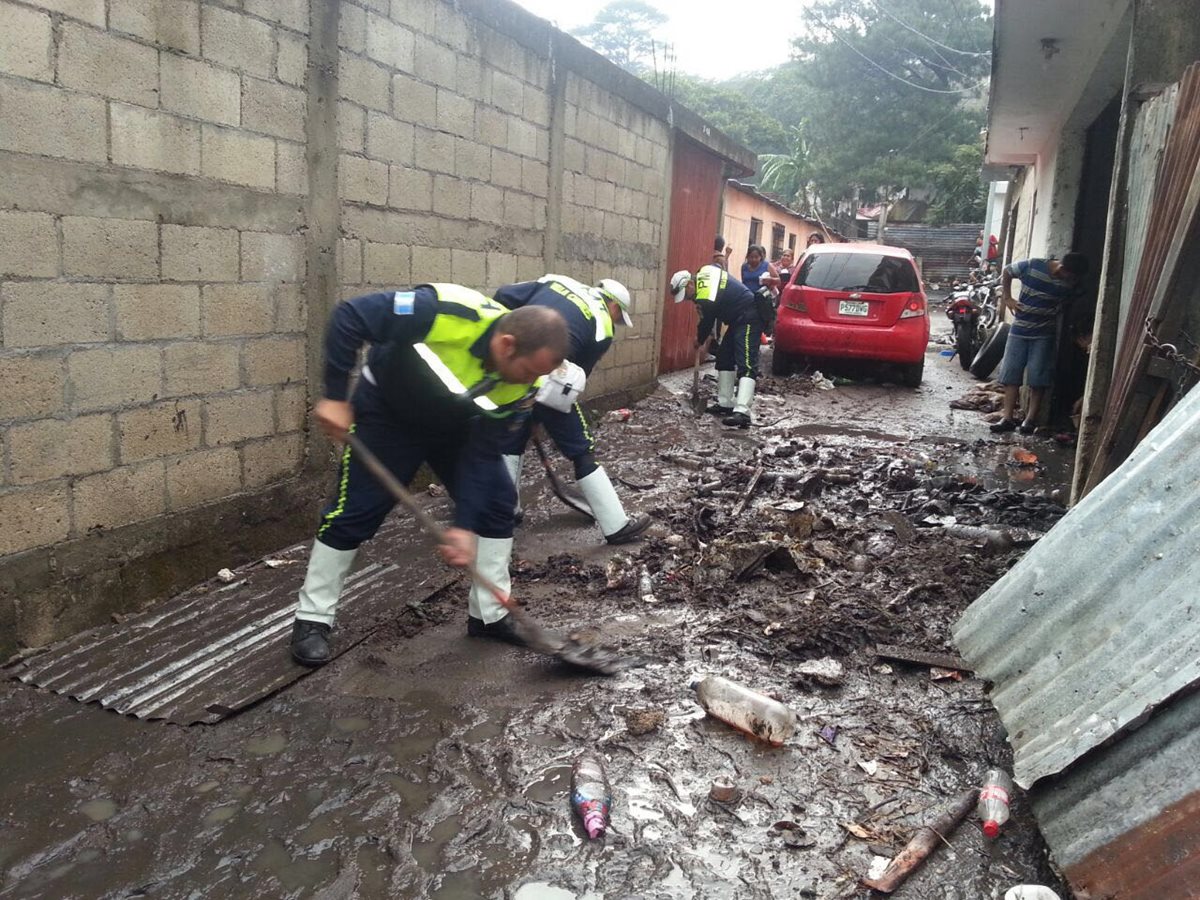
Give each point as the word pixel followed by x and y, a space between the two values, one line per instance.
pixel 990 353
pixel 964 343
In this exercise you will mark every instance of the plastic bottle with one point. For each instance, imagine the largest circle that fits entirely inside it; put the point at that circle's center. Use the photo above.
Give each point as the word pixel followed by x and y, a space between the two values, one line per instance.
pixel 746 710
pixel 994 798
pixel 591 796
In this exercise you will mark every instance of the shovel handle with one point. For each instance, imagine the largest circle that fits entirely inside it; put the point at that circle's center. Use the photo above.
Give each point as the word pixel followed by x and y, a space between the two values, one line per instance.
pixel 428 524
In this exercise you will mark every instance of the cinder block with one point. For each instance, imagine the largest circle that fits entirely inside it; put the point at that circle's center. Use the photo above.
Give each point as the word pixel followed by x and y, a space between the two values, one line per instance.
pixel 231 309
pixel 147 312
pixel 236 417
pixel 108 377
pixel 273 108
pixel 352 127
pixel 291 407
pixel 33 386
pixel 195 253
pixel 508 93
pixel 471 79
pixel 203 476
pixel 291 312
pixel 535 178
pixel 362 180
pixel 468 267
pixel 54 448
pixel 389 43
pixel 434 150
pixel 118 248
pixel 574 155
pixel 430 264
pixel 352 28
pixel 451 197
pixel 491 126
pixel 28 244
pixel 349 261
pixel 291 168
pixel 414 101
pixel 238 157
pixel 201 367
pixel 35 517
pixel 25 43
pixel 148 139
pixel 434 63
pixel 450 25
pixel 530 268
pixel 291 63
pixel 120 497
pixel 364 82
pixel 270 460
pixel 160 429
pixel 501 269
pixel 46 313
pixel 506 169
pixel 236 40
pixel 200 90
pixel 172 23
pixel 410 188
pixel 518 209
pixel 48 121
pixel 472 160
pixel 487 203
pixel 388 265
pixel 522 138
pixel 388 139
pixel 102 63
pixel 455 114
pixel 288 13
pixel 272 257
pixel 417 14
pixel 91 11
pixel 536 107
pixel 606 195
pixel 276 360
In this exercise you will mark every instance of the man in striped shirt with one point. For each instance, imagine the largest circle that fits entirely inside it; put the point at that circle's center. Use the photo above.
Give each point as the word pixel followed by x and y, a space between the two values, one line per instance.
pixel 1047 285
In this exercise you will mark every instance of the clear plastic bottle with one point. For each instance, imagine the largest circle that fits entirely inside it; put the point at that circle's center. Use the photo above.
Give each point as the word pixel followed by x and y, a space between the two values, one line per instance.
pixel 744 709
pixel 994 798
pixel 591 795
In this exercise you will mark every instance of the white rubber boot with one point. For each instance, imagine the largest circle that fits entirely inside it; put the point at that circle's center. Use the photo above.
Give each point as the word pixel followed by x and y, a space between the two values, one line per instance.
pixel 724 404
pixel 618 528
pixel 327 570
pixel 513 464
pixel 491 559
pixel 740 417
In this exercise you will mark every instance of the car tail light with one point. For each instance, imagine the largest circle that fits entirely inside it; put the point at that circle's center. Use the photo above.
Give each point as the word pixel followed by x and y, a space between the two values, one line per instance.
pixel 914 307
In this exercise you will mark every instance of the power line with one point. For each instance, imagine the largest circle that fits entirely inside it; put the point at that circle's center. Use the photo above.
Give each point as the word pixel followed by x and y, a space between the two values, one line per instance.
pixel 936 43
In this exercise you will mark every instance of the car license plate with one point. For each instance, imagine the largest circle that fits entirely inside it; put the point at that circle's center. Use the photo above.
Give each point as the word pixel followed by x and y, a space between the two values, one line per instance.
pixel 853 307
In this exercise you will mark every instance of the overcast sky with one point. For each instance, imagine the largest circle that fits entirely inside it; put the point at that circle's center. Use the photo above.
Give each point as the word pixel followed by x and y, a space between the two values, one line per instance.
pixel 707 44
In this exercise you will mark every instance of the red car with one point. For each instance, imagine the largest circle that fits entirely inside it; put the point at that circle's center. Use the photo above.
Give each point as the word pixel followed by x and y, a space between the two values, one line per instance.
pixel 854 302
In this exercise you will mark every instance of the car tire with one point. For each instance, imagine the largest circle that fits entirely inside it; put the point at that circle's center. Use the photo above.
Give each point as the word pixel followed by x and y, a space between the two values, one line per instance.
pixel 964 343
pixel 911 375
pixel 782 363
pixel 990 353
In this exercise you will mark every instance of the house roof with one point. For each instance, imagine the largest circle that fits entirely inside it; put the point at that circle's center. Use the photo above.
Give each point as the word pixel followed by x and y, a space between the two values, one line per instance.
pixel 753 191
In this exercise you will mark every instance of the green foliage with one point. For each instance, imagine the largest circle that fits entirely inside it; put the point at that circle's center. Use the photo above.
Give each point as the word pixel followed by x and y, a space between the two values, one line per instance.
pixel 789 175
pixel 961 195
pixel 735 113
pixel 623 31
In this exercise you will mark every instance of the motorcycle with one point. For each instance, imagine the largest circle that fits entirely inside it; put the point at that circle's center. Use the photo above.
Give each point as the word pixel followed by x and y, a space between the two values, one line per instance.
pixel 968 325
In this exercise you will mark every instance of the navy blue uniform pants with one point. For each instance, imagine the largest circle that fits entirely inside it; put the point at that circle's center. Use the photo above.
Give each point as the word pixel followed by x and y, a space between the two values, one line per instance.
pixel 568 430
pixel 360 503
pixel 739 350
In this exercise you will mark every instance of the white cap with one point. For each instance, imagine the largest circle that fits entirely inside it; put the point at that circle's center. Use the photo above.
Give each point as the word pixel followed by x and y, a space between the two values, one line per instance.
pixel 679 283
pixel 612 290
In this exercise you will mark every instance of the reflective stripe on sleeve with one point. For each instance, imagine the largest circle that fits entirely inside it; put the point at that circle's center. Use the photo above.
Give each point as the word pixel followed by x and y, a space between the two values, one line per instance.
pixel 448 378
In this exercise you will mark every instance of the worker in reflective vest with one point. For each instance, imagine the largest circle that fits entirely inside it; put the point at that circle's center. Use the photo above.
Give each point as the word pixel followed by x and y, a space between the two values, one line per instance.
pixel 448 374
pixel 589 313
pixel 722 298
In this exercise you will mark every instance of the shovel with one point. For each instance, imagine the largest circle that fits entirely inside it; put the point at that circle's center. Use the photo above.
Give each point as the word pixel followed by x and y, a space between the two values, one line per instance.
pixel 567 649
pixel 697 401
pixel 568 498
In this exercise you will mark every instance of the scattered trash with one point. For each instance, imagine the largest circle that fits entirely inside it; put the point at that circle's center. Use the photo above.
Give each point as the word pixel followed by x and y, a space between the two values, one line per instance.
pixel 793 835
pixel 924 842
pixel 723 790
pixel 745 709
pixel 276 563
pixel 869 766
pixel 993 540
pixel 619 573
pixel 226 575
pixel 859 832
pixel 591 796
pixel 829 735
pixel 936 673
pixel 1030 892
pixel 1022 457
pixel 879 864
pixel 948 354
pixel 821 383
pixel 994 799
pixel 435 490
pixel 618 415
pixel 643 721
pixel 646 587
pixel 828 671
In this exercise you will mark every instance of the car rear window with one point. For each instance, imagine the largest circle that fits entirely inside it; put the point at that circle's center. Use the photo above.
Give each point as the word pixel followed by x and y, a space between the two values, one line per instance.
pixel 871 272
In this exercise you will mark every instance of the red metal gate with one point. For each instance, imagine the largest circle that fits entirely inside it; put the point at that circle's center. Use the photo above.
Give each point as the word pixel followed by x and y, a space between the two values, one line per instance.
pixel 696 186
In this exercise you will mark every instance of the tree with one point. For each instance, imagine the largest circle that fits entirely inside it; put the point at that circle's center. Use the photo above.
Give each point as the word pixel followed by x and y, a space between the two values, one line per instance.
pixel 734 113
pixel 623 31
pixel 789 174
pixel 959 191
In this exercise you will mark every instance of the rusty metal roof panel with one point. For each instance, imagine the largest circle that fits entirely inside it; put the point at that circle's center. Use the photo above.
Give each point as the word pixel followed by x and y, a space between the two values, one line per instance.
pixel 1099 624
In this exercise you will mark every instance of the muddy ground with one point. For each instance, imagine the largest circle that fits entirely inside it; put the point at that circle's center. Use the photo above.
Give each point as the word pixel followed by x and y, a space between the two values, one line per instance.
pixel 421 764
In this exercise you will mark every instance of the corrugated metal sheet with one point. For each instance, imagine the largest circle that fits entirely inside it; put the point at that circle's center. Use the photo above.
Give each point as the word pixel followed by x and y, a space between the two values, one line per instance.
pixel 696 185
pixel 945 250
pixel 1154 120
pixel 1100 622
pixel 218 647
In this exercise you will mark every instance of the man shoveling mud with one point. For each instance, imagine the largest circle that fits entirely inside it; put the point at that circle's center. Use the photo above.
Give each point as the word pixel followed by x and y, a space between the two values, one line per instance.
pixel 448 374
pixel 590 314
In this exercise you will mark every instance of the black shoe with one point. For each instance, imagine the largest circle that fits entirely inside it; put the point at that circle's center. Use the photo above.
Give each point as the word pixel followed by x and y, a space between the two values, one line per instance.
pixel 1027 428
pixel 310 643
pixel 501 630
pixel 1004 426
pixel 518 515
pixel 716 409
pixel 737 419
pixel 630 531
